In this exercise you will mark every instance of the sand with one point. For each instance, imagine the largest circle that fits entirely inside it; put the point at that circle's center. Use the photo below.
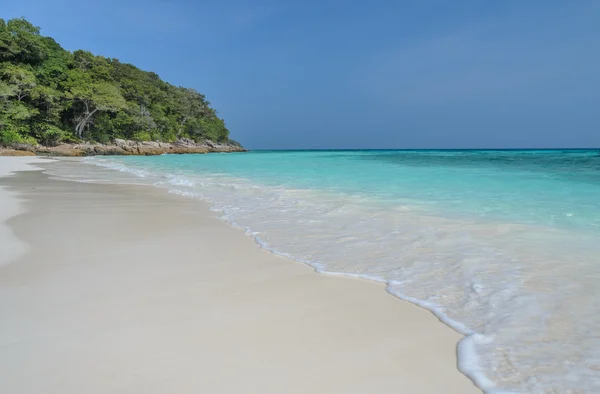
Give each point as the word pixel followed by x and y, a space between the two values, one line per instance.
pixel 12 247
pixel 127 289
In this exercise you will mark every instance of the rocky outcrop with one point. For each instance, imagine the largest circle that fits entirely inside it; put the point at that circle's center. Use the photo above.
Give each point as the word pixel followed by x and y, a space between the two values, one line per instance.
pixel 15 152
pixel 123 148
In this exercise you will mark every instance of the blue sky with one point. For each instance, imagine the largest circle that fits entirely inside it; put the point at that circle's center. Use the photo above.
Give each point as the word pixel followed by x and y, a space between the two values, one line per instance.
pixel 358 74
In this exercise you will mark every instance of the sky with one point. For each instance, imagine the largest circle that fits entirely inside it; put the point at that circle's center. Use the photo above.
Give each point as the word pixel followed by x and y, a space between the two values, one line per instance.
pixel 360 74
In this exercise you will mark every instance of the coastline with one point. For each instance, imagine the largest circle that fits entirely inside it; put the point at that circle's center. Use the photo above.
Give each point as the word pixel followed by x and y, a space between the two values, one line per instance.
pixel 131 298
pixel 123 148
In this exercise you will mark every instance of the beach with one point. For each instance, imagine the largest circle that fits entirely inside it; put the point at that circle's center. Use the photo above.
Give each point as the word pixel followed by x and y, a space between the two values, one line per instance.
pixel 128 289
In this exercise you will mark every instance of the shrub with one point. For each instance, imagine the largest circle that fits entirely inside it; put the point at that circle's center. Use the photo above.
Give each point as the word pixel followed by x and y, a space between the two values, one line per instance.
pixel 53 136
pixel 142 136
pixel 9 137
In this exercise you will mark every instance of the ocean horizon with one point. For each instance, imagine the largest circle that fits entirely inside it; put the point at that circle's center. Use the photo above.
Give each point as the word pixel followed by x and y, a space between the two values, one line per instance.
pixel 500 244
pixel 425 149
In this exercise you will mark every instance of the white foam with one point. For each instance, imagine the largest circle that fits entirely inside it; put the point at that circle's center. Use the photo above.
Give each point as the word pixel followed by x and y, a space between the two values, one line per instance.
pixel 177 180
pixel 114 165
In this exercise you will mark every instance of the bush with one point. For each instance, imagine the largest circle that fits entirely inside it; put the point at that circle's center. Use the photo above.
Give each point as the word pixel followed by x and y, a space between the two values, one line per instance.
pixel 53 136
pixel 11 137
pixel 142 136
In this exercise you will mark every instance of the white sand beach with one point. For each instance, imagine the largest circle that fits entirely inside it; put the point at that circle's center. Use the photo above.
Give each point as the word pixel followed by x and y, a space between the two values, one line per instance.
pixel 128 289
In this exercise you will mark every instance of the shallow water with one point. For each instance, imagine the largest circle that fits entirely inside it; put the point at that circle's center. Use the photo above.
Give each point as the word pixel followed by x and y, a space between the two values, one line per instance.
pixel 502 245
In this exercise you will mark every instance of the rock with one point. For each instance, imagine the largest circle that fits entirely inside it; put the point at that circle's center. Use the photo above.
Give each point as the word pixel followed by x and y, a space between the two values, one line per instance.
pixel 23 147
pixel 87 149
pixel 14 152
pixel 60 150
pixel 124 147
pixel 211 144
pixel 185 141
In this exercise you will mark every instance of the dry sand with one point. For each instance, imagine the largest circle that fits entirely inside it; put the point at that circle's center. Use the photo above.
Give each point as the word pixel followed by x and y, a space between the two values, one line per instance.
pixel 127 289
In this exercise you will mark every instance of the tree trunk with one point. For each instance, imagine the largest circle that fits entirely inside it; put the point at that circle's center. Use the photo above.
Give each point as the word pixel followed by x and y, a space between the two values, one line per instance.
pixel 181 127
pixel 85 119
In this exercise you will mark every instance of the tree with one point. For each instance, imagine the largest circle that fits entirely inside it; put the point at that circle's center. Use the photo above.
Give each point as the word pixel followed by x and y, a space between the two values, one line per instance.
pixel 20 80
pixel 95 97
pixel 192 105
pixel 54 70
pixel 17 83
pixel 48 100
pixel 20 41
pixel 50 94
pixel 13 114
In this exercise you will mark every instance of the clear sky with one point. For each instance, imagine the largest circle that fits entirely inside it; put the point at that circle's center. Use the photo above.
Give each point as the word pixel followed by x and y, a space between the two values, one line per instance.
pixel 360 74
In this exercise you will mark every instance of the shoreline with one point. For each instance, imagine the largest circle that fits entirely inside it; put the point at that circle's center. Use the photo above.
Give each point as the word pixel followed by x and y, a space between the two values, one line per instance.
pixel 121 147
pixel 306 332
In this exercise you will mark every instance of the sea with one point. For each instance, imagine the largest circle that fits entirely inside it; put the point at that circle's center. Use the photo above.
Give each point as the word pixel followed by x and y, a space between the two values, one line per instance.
pixel 501 245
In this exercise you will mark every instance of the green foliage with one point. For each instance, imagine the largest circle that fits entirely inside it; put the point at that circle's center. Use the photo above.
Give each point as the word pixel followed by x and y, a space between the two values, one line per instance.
pixel 142 136
pixel 20 80
pixel 21 42
pixel 49 135
pixel 11 137
pixel 51 95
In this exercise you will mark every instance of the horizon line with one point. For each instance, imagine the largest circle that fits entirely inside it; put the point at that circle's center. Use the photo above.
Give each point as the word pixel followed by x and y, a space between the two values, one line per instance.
pixel 418 149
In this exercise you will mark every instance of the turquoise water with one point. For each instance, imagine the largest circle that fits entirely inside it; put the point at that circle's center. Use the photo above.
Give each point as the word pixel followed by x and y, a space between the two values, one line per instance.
pixel 501 245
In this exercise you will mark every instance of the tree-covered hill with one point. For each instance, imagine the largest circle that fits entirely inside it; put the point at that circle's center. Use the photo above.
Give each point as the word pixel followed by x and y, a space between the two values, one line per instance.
pixel 49 95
